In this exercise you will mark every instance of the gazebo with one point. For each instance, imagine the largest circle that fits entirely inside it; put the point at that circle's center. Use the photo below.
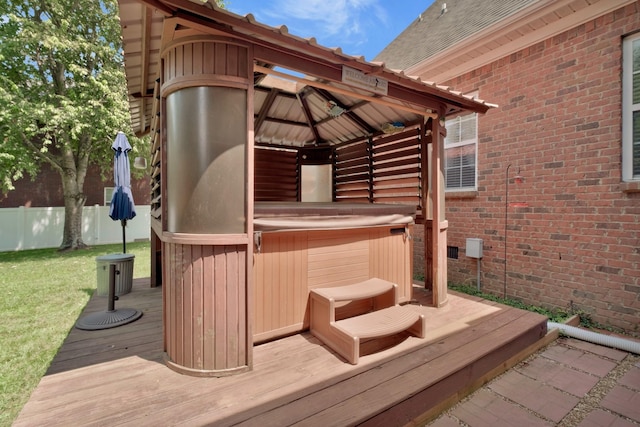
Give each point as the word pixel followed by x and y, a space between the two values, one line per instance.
pixel 278 166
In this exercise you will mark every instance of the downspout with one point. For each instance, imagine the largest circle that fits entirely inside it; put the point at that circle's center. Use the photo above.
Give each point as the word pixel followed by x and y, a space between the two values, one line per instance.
pixel 596 338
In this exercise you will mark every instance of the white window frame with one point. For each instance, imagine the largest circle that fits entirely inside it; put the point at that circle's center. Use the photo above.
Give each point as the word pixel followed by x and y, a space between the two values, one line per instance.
pixel 451 145
pixel 628 108
pixel 108 194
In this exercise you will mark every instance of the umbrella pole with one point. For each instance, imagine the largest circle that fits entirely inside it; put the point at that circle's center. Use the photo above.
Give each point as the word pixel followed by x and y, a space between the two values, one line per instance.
pixel 124 239
pixel 112 288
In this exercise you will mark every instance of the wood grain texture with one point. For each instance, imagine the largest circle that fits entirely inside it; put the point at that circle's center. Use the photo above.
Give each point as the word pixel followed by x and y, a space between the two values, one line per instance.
pixel 291 263
pixel 116 376
pixel 206 309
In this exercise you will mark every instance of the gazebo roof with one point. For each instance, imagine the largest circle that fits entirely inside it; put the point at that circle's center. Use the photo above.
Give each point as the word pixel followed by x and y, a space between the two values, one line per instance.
pixel 304 94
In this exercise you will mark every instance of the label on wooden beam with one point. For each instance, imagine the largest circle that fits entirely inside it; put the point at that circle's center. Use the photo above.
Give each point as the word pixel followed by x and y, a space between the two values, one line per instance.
pixel 361 80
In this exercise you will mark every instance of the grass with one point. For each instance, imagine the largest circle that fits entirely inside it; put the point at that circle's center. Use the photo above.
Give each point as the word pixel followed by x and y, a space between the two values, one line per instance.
pixel 42 293
pixel 553 315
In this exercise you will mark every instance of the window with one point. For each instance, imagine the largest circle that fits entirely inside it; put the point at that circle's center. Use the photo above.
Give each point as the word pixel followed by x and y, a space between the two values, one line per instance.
pixel 108 194
pixel 460 148
pixel 631 108
pixel 316 183
pixel 452 252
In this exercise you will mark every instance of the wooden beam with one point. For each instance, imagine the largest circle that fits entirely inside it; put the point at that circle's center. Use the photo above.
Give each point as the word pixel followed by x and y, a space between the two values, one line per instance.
pixel 347 92
pixel 285 122
pixel 439 224
pixel 308 116
pixel 160 6
pixel 266 106
pixel 356 119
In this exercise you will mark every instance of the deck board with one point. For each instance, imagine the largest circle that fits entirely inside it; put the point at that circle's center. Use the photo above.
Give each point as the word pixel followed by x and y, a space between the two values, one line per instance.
pixel 116 376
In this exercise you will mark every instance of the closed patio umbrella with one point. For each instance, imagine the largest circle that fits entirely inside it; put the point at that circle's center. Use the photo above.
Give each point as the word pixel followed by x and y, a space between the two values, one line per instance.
pixel 122 206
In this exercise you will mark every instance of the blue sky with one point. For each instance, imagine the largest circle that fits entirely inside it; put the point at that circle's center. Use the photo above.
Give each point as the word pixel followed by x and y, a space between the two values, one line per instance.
pixel 359 27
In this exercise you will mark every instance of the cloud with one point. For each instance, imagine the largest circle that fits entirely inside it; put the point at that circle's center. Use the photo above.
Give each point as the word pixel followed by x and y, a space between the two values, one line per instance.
pixel 344 21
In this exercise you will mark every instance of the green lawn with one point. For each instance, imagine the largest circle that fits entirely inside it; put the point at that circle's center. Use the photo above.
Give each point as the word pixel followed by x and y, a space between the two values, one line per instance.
pixel 42 293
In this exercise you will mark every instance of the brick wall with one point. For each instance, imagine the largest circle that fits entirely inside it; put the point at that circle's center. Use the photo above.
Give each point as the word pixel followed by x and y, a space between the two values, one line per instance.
pixel 46 190
pixel 577 244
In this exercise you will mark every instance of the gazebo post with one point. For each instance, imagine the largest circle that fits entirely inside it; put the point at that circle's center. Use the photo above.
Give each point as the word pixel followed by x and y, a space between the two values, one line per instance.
pixel 435 228
pixel 207 246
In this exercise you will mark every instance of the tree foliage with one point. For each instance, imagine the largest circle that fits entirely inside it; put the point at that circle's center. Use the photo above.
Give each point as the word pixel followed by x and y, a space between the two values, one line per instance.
pixel 62 84
pixel 63 92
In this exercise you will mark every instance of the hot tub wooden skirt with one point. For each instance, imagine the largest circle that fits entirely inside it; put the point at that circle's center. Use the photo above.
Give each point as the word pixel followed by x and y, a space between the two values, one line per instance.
pixel 205 309
pixel 288 264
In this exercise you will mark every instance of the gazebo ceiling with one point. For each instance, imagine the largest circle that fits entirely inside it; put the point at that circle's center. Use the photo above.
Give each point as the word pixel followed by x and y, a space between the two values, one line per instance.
pixel 304 94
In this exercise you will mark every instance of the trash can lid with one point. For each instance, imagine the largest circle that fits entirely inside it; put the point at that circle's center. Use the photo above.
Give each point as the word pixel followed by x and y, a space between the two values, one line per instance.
pixel 115 257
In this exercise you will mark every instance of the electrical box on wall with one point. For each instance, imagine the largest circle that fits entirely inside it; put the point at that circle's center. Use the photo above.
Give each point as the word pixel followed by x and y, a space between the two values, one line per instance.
pixel 474 247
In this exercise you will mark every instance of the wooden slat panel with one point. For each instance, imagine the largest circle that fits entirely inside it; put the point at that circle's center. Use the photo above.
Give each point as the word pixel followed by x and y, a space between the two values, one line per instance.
pixel 350 193
pixel 405 144
pixel 362 185
pixel 397 163
pixel 187 59
pixel 346 152
pixel 267 196
pixel 391 259
pixel 397 169
pixel 205 308
pixel 396 191
pixel 208 315
pixel 396 182
pixel 393 173
pixel 351 178
pixel 197 299
pixel 325 251
pixel 276 176
pixel 205 57
pixel 354 169
pixel 411 133
pixel 280 284
pixel 198 58
pixel 411 152
pixel 219 305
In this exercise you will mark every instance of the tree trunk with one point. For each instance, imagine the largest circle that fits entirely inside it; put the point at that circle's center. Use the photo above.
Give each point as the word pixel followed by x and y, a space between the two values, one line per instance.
pixel 74 200
pixel 72 234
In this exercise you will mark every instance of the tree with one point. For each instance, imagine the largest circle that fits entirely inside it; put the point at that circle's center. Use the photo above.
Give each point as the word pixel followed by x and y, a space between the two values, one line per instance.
pixel 63 95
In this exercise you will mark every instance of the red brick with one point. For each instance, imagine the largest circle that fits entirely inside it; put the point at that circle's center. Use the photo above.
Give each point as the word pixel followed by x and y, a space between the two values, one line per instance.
pixel 579 130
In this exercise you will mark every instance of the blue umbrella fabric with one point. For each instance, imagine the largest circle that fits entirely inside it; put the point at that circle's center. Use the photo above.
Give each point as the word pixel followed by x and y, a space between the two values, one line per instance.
pixel 122 206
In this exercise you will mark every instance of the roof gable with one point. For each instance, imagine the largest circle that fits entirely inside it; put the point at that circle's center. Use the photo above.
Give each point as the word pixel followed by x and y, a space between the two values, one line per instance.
pixel 471 34
pixel 444 24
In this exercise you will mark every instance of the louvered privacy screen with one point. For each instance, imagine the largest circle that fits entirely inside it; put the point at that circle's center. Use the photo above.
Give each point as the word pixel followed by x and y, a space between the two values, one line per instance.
pixel 276 175
pixel 387 170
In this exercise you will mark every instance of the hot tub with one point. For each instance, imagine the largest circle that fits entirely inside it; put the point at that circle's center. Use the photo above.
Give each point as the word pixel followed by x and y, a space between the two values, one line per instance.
pixel 301 246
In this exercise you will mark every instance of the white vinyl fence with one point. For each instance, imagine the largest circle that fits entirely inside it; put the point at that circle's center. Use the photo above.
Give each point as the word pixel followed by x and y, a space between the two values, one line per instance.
pixel 34 228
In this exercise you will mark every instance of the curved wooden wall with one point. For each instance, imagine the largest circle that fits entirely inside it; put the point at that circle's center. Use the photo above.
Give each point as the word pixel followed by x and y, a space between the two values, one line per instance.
pixel 206 286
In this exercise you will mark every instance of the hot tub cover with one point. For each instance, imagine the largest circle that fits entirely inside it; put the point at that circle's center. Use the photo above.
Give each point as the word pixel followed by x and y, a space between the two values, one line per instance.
pixel 273 216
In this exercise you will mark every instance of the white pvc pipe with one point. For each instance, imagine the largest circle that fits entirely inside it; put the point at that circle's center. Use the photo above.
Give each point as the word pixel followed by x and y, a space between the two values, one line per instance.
pixel 596 338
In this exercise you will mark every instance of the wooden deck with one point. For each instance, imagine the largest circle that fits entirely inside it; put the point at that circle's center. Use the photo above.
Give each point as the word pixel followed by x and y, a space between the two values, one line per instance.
pixel 117 377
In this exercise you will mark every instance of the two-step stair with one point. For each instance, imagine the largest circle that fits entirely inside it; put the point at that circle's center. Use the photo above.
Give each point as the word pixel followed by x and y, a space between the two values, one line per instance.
pixel 346 335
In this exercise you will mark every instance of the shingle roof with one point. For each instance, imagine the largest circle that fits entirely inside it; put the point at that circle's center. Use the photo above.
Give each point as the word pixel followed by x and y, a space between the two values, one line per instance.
pixel 436 30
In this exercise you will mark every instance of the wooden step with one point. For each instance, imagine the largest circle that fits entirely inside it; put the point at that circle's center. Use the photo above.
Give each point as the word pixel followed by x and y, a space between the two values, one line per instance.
pixel 367 289
pixel 382 323
pixel 384 317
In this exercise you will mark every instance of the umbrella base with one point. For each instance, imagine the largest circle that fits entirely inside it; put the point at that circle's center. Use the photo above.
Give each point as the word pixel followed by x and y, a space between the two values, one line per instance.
pixel 108 319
